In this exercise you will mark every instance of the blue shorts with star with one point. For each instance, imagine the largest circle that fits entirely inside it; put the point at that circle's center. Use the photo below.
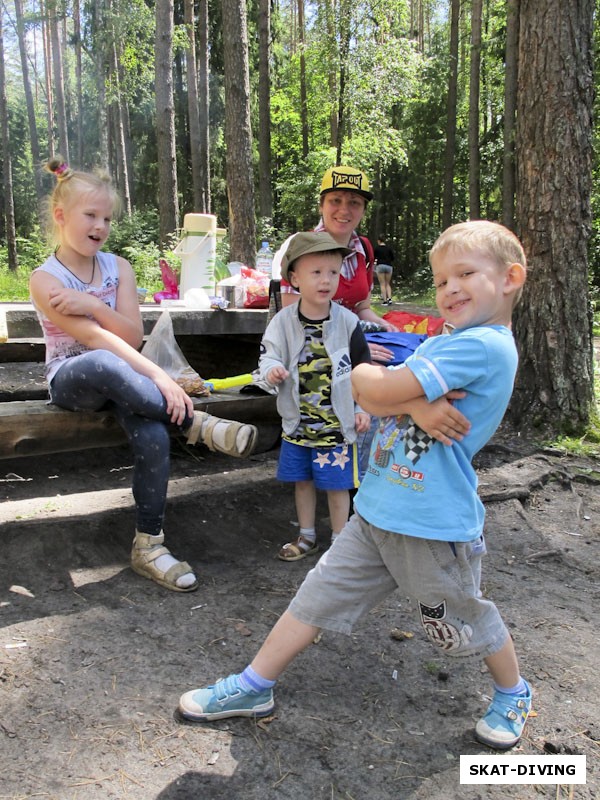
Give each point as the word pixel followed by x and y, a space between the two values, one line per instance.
pixel 328 467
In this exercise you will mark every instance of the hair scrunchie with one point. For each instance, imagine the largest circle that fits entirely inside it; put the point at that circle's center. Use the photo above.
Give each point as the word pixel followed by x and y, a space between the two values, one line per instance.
pixel 61 169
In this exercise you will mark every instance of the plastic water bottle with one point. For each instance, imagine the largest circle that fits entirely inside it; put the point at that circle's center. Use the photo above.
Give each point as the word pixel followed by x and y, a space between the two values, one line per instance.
pixel 264 259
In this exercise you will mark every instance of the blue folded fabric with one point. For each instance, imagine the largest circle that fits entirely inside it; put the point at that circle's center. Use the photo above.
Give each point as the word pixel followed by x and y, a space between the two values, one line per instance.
pixel 401 344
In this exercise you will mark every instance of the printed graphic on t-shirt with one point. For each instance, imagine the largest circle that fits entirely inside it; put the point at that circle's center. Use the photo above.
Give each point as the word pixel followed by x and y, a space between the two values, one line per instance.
pixel 401 434
pixel 401 440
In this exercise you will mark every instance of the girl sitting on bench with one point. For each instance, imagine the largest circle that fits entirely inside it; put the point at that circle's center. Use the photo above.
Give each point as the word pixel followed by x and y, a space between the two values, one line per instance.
pixel 87 304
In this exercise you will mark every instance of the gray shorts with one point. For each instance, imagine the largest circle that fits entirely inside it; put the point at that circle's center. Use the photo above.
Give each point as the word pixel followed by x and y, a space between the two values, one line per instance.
pixel 383 268
pixel 366 564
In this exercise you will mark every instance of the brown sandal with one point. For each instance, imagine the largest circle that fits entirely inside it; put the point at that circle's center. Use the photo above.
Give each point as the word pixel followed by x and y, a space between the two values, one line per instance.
pixel 294 551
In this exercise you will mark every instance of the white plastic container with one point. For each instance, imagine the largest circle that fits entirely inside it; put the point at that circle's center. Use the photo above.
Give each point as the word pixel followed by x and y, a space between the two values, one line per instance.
pixel 197 250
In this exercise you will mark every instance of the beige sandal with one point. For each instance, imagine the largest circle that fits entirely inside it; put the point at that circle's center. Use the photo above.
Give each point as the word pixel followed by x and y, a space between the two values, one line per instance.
pixel 224 435
pixel 294 551
pixel 146 549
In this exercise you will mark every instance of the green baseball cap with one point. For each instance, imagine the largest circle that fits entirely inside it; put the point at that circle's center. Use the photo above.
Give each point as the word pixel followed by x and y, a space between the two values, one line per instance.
pixel 309 242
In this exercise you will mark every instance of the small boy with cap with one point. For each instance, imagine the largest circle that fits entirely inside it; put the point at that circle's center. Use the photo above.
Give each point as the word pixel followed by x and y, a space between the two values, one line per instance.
pixel 308 352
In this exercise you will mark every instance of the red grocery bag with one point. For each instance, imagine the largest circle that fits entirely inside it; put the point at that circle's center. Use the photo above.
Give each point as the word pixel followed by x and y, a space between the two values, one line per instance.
pixel 415 323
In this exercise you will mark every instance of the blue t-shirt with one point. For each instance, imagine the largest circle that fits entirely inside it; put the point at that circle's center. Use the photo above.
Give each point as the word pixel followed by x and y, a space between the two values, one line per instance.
pixel 414 484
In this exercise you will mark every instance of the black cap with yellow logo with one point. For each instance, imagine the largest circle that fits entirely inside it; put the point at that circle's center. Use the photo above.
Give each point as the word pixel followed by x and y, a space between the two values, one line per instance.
pixel 347 179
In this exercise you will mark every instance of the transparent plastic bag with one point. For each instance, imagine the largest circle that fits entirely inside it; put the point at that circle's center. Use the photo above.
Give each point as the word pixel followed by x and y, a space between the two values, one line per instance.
pixel 162 349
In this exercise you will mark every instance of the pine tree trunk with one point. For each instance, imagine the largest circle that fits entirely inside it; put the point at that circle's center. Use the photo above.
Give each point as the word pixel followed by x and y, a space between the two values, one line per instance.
pixel 120 154
pixel 100 62
pixel 238 133
pixel 332 71
pixel 303 99
pixel 202 59
pixel 58 79
pixel 7 181
pixel 168 211
pixel 345 35
pixel 48 77
pixel 265 196
pixel 193 110
pixel 448 200
pixel 78 79
pixel 474 165
pixel 554 159
pixel 33 136
pixel 510 110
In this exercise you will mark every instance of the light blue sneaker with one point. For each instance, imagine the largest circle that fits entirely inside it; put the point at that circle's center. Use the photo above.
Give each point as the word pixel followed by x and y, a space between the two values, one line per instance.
pixel 225 698
pixel 502 725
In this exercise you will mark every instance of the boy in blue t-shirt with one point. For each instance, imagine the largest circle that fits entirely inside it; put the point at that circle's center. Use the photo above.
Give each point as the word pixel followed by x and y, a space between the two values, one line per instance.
pixel 419 521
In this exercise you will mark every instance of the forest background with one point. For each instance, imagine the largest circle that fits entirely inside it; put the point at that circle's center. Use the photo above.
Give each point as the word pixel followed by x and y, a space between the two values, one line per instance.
pixel 455 109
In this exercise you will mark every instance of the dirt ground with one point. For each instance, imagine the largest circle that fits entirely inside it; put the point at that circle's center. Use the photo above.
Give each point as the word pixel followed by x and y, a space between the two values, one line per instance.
pixel 94 658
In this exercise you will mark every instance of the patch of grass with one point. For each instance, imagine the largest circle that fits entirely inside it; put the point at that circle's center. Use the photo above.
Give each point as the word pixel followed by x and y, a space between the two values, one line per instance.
pixel 589 443
pixel 419 298
pixel 14 286
pixel 32 251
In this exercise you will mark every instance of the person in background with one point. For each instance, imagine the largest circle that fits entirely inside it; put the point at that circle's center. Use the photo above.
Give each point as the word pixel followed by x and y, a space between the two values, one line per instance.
pixel 419 522
pixel 308 351
pixel 384 259
pixel 86 302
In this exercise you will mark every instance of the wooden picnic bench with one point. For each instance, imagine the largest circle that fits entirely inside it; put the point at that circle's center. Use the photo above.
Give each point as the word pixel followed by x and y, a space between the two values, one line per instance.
pixel 217 344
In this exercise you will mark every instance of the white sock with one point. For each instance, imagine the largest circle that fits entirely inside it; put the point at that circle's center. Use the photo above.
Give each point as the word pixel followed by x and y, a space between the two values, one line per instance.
pixel 310 535
pixel 166 561
pixel 518 688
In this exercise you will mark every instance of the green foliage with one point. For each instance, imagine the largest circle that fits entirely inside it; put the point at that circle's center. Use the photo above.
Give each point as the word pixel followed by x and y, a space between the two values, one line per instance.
pixel 14 286
pixel 145 263
pixel 32 251
pixel 587 445
pixel 394 115
pixel 135 238
pixel 138 230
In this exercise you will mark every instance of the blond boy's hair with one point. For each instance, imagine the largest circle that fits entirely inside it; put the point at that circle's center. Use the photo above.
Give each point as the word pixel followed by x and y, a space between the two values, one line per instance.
pixel 490 238
pixel 70 184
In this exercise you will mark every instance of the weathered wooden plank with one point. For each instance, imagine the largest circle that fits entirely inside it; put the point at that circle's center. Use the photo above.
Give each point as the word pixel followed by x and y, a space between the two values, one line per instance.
pixel 22 381
pixel 210 356
pixel 32 427
pixel 217 344
pixel 17 350
pixel 21 321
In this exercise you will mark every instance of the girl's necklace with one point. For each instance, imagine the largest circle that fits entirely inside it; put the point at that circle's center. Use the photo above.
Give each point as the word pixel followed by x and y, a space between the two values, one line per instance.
pixel 85 283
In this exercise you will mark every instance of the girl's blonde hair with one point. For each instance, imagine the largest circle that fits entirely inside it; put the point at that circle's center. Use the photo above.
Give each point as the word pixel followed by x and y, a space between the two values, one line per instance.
pixel 70 184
